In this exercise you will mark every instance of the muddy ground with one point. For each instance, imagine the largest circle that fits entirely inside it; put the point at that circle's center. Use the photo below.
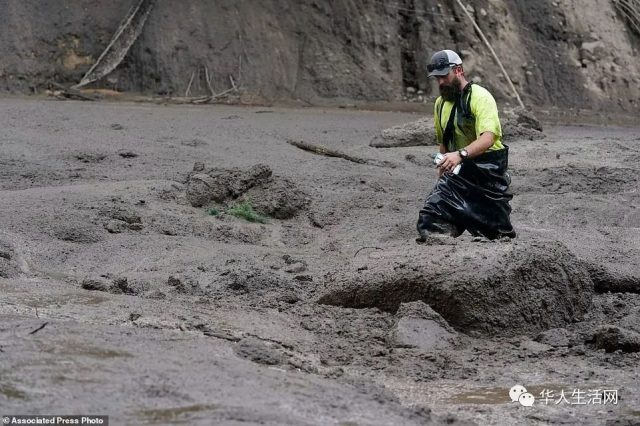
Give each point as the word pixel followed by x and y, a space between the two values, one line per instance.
pixel 119 297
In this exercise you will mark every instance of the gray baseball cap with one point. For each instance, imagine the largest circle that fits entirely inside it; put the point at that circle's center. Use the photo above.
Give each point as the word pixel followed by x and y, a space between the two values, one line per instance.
pixel 441 62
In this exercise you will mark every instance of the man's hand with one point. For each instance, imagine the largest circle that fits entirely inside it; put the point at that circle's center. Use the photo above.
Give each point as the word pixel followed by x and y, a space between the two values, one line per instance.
pixel 449 162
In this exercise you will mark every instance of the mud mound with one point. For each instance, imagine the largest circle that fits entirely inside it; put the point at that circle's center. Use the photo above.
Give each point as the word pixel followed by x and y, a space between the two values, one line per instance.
pixel 219 185
pixel 612 338
pixel 416 133
pixel 589 180
pixel 247 278
pixel 120 218
pixel 422 328
pixel 8 265
pixel 274 196
pixel 278 197
pixel 607 280
pixel 76 232
pixel 519 123
pixel 498 288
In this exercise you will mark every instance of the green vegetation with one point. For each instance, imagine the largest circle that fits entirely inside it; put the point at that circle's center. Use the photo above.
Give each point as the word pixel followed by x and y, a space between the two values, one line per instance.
pixel 242 209
pixel 245 211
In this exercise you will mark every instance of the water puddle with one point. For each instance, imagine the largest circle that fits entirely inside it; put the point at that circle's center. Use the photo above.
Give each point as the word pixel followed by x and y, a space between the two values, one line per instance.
pixel 68 348
pixel 177 414
pixel 500 395
pixel 11 393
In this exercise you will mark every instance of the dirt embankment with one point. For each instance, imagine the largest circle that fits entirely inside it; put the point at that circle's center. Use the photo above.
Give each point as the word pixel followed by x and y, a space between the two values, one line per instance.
pixel 561 53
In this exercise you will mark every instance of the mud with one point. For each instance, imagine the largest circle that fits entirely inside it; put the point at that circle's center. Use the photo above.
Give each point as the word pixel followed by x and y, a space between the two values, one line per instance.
pixel 157 312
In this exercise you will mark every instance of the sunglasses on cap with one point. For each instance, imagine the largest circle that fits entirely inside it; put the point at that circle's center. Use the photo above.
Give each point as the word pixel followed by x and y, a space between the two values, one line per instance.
pixel 440 66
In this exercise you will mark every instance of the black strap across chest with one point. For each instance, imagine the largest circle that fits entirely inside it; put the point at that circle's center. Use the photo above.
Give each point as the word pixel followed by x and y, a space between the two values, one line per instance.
pixel 462 110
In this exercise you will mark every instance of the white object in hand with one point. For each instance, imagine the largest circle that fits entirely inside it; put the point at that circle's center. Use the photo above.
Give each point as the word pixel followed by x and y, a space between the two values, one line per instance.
pixel 438 158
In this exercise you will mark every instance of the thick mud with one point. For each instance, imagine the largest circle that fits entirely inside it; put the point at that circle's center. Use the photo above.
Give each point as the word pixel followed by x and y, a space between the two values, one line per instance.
pixel 130 287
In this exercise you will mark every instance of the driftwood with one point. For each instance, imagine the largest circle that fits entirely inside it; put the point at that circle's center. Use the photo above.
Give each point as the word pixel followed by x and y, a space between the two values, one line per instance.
pixel 61 92
pixel 493 52
pixel 328 152
pixel 630 10
pixel 124 37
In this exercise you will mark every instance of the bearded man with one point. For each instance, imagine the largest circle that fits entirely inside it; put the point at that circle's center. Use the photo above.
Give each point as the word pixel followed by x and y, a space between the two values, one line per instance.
pixel 476 196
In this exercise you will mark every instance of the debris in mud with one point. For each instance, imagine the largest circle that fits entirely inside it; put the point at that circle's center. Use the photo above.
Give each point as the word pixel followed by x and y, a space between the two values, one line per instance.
pixel 612 338
pixel 474 287
pixel 417 133
pixel 328 152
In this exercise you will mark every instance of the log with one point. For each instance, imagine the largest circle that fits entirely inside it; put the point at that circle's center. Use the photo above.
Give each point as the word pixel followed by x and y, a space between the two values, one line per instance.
pixel 124 37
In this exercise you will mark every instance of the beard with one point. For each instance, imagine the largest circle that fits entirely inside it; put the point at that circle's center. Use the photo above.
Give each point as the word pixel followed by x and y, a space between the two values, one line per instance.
pixel 450 92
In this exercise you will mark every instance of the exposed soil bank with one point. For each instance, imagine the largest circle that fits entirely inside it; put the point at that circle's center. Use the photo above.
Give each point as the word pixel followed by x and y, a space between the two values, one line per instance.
pixel 562 53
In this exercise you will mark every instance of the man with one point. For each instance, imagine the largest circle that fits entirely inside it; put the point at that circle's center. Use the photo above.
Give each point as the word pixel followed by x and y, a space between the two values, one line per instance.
pixel 475 197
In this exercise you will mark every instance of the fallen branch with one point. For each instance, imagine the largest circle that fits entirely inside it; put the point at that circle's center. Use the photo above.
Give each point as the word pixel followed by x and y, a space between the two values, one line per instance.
pixel 206 77
pixel 186 92
pixel 327 152
pixel 367 247
pixel 39 328
pixel 62 92
pixel 124 37
pixel 493 52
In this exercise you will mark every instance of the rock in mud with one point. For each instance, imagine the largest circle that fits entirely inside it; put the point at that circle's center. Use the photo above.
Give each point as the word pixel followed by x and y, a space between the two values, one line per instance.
pixel 417 133
pixel 501 288
pixel 220 185
pixel 612 338
pixel 422 328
